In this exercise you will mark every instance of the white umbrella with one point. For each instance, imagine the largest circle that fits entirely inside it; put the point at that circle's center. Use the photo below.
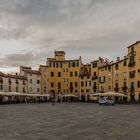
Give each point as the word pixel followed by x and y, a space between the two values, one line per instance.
pixel 114 94
pixel 97 94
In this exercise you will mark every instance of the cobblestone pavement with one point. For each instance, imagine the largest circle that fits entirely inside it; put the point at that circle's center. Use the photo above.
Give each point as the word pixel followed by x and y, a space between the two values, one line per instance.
pixel 69 121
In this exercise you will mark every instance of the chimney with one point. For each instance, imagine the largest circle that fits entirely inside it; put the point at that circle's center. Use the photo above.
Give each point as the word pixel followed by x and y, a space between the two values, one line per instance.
pixel 118 58
pixel 125 57
pixel 111 62
pixel 16 73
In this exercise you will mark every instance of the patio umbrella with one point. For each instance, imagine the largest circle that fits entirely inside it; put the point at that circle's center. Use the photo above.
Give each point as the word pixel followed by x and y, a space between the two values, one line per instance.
pixel 97 94
pixel 114 94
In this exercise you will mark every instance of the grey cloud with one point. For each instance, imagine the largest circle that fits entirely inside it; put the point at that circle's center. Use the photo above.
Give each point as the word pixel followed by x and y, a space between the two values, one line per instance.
pixel 14 60
pixel 90 28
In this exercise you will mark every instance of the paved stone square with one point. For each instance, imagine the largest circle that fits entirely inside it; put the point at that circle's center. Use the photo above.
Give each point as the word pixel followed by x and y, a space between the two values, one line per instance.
pixel 69 121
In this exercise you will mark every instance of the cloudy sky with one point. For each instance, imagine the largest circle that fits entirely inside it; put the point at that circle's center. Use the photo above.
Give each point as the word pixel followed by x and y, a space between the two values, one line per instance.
pixel 31 30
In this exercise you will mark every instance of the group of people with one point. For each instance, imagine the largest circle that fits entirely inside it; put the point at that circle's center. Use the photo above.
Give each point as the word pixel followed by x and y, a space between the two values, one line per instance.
pixel 32 99
pixel 19 100
pixel 53 97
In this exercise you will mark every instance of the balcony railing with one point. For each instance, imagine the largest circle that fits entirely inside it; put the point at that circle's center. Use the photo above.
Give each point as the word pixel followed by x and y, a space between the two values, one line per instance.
pixel 116 89
pixel 132 74
pixel 124 88
pixel 132 89
pixel 94 77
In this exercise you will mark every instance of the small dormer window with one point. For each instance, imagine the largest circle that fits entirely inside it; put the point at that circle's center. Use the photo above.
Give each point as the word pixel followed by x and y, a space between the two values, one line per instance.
pixel 132 49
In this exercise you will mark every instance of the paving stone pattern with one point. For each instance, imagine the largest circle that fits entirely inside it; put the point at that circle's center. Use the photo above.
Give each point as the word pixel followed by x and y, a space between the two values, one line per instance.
pixel 69 121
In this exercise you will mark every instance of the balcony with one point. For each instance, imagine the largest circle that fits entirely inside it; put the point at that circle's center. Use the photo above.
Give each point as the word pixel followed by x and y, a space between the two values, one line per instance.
pixel 132 89
pixel 124 88
pixel 116 89
pixel 94 77
pixel 132 74
pixel 101 82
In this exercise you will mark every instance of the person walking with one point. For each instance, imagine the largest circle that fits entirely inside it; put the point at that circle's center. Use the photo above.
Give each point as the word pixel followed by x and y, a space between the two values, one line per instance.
pixel 59 96
pixel 53 97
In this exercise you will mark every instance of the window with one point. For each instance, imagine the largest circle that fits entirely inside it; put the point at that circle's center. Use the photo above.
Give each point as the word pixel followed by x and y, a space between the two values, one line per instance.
pixel 87 90
pixel 38 90
pixel 116 84
pixel 75 91
pixel 59 65
pixel 1 80
pixel 9 88
pixel 77 64
pixel 1 87
pixel 109 68
pixel 138 84
pixel 24 90
pixel 44 90
pixel 132 49
pixel 66 80
pixel 109 88
pixel 124 63
pixel 66 70
pixel 94 73
pixel 94 65
pixel 70 64
pixel 124 75
pixel 70 90
pixel 73 64
pixel 16 89
pixel 124 84
pixel 17 81
pixel 71 74
pixel 38 81
pixel 116 75
pixel 30 89
pixel 76 73
pixel 132 58
pixel 88 83
pixel 52 65
pixel 52 84
pixel 76 84
pixel 31 81
pixel 59 74
pixel 24 83
pixel 52 74
pixel 82 84
pixel 116 66
pixel 71 85
pixel 102 79
pixel 45 82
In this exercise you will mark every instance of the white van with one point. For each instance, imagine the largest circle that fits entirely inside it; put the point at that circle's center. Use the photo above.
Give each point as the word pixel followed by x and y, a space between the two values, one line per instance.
pixel 106 101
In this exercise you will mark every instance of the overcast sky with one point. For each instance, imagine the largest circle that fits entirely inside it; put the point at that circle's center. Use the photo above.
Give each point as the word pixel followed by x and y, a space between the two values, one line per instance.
pixel 31 30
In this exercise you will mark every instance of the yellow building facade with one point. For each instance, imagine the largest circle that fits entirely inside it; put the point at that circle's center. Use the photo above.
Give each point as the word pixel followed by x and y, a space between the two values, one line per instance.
pixel 85 81
pixel 61 75
pixel 123 76
pixel 74 77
